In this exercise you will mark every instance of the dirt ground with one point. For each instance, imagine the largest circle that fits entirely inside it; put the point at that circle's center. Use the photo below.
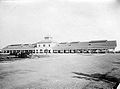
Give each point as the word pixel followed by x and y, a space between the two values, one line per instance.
pixel 69 71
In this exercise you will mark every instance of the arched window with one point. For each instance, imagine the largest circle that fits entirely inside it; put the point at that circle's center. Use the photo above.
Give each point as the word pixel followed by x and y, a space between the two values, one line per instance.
pixel 46 51
pixel 36 51
pixel 41 51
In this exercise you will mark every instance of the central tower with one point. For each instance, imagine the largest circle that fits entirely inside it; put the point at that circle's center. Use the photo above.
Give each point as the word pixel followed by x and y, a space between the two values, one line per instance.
pixel 48 38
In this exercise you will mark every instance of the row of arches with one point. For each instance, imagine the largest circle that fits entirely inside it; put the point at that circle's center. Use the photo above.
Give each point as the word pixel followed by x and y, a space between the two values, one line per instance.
pixel 58 51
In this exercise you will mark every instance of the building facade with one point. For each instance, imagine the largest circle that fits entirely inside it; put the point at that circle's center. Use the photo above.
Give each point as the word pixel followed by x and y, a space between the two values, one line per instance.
pixel 19 48
pixel 42 47
pixel 48 46
pixel 45 46
pixel 82 47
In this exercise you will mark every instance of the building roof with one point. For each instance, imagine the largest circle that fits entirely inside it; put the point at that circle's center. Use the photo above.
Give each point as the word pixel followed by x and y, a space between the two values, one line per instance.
pixel 44 41
pixel 63 43
pixel 98 41
pixel 28 46
pixel 74 42
pixel 86 45
pixel 19 47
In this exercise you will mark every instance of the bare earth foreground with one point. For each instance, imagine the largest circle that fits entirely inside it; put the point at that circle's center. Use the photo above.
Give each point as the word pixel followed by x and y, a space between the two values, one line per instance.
pixel 70 71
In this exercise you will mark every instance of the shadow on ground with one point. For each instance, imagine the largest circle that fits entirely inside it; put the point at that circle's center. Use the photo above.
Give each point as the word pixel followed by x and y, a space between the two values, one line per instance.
pixel 100 77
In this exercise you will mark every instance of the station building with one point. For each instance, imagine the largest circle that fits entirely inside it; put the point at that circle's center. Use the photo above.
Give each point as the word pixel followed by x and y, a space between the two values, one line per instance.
pixel 42 47
pixel 47 45
pixel 18 48
pixel 83 47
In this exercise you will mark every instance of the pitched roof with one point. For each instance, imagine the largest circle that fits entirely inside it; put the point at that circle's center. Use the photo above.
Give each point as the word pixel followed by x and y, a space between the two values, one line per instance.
pixel 19 47
pixel 44 41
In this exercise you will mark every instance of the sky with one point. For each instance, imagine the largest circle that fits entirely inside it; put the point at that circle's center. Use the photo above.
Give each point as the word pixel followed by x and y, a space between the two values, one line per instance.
pixel 28 21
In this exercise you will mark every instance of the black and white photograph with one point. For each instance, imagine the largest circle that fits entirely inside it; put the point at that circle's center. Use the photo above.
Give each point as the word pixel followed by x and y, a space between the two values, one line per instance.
pixel 59 44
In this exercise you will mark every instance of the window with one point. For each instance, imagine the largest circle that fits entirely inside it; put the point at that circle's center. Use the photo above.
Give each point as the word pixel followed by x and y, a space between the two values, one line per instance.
pixel 7 51
pixel 44 45
pixel 49 45
pixel 41 51
pixel 10 51
pixel 39 45
pixel 36 51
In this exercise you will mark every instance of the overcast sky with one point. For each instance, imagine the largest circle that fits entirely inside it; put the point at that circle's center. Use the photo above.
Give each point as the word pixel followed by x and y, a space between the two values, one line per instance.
pixel 28 21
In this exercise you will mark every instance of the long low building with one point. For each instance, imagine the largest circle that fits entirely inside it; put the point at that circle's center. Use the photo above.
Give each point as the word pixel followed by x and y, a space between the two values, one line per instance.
pixel 16 48
pixel 49 46
pixel 91 46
